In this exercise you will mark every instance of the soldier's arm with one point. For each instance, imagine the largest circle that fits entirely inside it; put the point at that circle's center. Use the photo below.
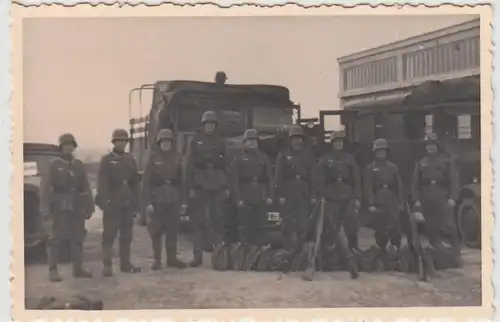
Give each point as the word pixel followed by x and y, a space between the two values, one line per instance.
pixel 182 184
pixel 415 183
pixel 320 175
pixel 189 168
pixel 453 180
pixel 235 176
pixel 278 172
pixel 88 191
pixel 399 183
pixel 313 168
pixel 355 172
pixel 368 186
pixel 102 182
pixel 269 177
pixel 46 191
pixel 136 181
pixel 145 186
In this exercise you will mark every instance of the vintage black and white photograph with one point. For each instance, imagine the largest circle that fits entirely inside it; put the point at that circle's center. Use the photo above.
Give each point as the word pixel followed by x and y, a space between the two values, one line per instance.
pixel 235 162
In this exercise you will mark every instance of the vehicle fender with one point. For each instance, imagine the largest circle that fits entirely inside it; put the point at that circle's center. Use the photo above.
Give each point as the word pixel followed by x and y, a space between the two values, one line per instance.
pixel 470 190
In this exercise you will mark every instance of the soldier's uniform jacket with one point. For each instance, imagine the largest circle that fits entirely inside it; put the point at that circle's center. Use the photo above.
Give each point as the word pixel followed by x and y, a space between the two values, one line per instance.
pixel 339 177
pixel 118 181
pixel 206 163
pixel 252 177
pixel 65 187
pixel 295 174
pixel 162 180
pixel 382 184
pixel 435 175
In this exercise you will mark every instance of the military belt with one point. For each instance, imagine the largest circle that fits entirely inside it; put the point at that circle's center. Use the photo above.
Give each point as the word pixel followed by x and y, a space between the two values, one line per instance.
pixel 68 191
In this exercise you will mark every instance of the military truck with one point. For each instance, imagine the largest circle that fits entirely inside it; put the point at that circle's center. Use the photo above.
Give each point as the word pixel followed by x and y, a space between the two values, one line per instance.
pixel 179 105
pixel 403 90
pixel 37 160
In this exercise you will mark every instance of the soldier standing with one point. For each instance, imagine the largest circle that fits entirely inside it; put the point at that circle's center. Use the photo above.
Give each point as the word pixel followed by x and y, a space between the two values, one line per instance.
pixel 253 189
pixel 294 179
pixel 434 190
pixel 164 199
pixel 117 196
pixel 340 184
pixel 67 199
pixel 384 196
pixel 206 181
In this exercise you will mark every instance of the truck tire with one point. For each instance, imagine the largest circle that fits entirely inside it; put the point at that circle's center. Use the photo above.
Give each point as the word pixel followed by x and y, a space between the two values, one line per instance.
pixel 469 222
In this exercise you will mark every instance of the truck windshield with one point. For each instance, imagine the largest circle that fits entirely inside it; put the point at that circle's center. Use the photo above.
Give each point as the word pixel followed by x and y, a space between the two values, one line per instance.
pixel 270 116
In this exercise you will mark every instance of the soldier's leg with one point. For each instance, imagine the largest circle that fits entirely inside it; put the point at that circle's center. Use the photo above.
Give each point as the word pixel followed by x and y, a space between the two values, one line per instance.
pixel 126 226
pixel 244 224
pixel 259 236
pixel 430 210
pixel 351 225
pixel 57 235
pixel 77 235
pixel 302 218
pixel 449 230
pixel 217 217
pixel 198 205
pixel 287 225
pixel 156 228
pixel 395 229
pixel 109 233
pixel 172 228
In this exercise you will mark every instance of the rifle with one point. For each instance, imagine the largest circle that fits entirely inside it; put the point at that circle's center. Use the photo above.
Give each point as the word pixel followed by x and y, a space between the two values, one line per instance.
pixel 417 247
pixel 313 251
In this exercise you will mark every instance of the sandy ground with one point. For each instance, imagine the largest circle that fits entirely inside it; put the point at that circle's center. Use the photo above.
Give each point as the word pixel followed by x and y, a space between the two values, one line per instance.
pixel 205 288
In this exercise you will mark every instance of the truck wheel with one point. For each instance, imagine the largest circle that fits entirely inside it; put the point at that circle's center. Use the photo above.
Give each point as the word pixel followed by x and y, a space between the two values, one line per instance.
pixel 469 222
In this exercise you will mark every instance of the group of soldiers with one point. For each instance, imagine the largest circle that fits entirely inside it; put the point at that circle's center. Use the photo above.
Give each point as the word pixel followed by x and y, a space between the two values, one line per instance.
pixel 298 184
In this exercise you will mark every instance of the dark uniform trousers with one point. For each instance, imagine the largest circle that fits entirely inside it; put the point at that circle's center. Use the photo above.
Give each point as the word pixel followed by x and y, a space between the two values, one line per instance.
pixel 383 190
pixel 208 213
pixel 67 225
pixel 164 221
pixel 252 219
pixel 117 221
pixel 296 212
pixel 338 214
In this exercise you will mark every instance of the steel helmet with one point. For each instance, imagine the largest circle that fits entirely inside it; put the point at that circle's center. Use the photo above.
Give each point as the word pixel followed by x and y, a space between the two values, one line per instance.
pixel 295 130
pixel 339 135
pixel 251 134
pixel 380 144
pixel 119 135
pixel 221 75
pixel 164 134
pixel 209 116
pixel 67 138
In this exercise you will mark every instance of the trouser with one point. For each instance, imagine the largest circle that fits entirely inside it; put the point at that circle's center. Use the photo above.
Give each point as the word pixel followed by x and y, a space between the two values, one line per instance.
pixel 295 221
pixel 252 219
pixel 67 225
pixel 208 213
pixel 439 220
pixel 342 213
pixel 117 221
pixel 164 221
pixel 386 224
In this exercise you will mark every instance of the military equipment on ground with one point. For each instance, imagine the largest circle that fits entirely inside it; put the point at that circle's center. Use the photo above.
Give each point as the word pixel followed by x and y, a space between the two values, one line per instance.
pixel 180 105
pixel 37 159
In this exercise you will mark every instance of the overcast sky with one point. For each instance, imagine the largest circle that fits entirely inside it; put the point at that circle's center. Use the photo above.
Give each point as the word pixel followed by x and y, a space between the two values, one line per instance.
pixel 78 71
